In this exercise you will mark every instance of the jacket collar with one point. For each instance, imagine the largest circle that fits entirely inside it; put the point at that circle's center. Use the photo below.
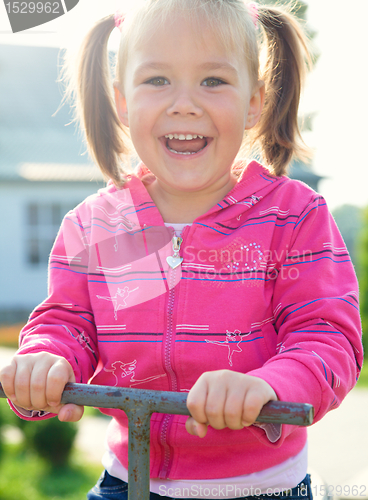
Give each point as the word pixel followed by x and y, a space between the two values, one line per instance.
pixel 254 182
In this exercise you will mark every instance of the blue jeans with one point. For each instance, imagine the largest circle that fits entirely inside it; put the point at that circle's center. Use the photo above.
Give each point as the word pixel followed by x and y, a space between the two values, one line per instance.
pixel 112 488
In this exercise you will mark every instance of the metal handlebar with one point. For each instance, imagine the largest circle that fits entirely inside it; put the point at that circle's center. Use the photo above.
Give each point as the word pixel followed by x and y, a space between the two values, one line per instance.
pixel 139 404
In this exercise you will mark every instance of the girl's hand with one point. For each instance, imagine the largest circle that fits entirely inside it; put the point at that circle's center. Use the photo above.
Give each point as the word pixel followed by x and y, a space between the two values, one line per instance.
pixel 36 382
pixel 225 398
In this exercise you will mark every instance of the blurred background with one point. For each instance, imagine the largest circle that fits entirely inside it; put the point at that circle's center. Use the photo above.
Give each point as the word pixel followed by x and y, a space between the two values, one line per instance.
pixel 45 171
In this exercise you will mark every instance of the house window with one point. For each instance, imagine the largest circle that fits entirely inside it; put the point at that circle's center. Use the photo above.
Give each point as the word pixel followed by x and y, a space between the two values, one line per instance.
pixel 43 223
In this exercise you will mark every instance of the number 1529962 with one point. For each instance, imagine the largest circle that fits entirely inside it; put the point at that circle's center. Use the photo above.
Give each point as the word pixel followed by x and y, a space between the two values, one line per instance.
pixel 34 7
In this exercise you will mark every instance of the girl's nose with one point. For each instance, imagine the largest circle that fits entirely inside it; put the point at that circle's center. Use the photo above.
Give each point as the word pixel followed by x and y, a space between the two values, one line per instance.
pixel 184 104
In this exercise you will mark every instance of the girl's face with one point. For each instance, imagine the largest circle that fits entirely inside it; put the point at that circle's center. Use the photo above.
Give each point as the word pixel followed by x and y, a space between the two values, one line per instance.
pixel 187 103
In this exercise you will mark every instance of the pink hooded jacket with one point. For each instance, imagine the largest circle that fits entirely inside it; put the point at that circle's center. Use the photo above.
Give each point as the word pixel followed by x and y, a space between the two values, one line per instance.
pixel 266 287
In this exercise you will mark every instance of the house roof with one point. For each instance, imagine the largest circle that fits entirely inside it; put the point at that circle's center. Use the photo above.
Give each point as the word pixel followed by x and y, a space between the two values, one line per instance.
pixel 53 172
pixel 36 143
pixel 298 170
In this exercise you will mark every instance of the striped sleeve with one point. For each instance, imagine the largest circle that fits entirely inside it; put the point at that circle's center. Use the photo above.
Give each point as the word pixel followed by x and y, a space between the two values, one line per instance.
pixel 319 350
pixel 64 324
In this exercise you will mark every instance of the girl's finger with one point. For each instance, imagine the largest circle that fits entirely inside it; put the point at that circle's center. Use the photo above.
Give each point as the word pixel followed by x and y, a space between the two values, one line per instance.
pixel 37 386
pixel 215 405
pixel 258 395
pixel 195 428
pixel 253 404
pixel 233 411
pixel 22 381
pixel 70 413
pixel 7 378
pixel 59 374
pixel 196 400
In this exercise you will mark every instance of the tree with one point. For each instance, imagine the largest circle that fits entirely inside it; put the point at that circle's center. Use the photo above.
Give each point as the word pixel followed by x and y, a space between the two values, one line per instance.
pixel 299 7
pixel 363 276
pixel 349 221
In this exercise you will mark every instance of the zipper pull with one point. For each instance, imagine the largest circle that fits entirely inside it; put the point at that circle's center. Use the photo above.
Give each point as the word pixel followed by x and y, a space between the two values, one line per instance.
pixel 175 260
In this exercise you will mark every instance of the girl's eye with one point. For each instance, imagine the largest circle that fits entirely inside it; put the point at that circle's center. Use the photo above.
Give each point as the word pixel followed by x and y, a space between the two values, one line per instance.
pixel 157 81
pixel 213 82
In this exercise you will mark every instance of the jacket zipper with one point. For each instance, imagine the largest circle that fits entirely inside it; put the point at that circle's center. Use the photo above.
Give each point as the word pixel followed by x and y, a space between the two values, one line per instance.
pixel 167 360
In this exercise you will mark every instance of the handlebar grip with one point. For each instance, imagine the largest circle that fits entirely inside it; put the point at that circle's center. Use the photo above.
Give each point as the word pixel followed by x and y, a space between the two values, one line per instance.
pixel 127 399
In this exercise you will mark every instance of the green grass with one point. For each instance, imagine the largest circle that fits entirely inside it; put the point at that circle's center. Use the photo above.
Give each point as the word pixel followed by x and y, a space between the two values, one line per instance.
pixel 24 476
pixel 363 379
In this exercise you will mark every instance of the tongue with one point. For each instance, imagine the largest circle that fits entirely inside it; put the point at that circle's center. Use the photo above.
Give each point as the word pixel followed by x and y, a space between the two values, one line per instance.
pixel 192 146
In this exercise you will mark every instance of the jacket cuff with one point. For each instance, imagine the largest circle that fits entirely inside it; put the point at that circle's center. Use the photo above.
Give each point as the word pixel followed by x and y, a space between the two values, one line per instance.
pixel 281 378
pixel 273 431
pixel 30 414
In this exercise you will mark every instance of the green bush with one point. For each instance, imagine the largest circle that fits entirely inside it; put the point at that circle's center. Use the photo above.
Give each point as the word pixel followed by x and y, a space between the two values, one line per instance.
pixel 51 439
pixel 362 271
pixel 25 476
pixel 1 437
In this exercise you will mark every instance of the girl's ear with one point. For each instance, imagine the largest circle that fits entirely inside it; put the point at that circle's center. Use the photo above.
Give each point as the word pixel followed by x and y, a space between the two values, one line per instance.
pixel 121 105
pixel 255 105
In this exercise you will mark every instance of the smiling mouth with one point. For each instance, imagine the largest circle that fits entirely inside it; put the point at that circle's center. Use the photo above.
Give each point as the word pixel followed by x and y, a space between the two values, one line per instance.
pixel 186 144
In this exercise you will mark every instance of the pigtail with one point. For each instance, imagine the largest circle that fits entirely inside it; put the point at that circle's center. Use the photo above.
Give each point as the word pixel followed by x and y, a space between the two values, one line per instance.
pixel 95 107
pixel 284 69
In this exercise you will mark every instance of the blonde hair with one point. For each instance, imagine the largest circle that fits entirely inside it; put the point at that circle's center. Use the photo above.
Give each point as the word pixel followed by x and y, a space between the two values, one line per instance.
pixel 280 44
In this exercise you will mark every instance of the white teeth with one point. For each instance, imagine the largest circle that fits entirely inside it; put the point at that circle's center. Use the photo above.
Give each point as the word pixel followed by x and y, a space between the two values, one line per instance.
pixel 183 137
pixel 181 152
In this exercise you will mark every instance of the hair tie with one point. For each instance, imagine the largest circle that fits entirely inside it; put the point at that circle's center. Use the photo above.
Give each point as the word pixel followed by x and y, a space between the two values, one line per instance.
pixel 119 18
pixel 253 10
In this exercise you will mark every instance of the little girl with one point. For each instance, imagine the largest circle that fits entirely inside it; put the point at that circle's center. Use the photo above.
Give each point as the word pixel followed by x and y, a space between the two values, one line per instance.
pixel 199 272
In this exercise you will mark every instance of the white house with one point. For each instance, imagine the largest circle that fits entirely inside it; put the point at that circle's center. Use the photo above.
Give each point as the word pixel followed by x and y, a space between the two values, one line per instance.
pixel 43 174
